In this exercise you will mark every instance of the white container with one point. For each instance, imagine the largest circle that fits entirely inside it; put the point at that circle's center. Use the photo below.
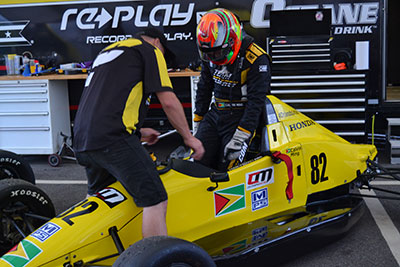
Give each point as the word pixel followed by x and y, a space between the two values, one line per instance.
pixel 13 64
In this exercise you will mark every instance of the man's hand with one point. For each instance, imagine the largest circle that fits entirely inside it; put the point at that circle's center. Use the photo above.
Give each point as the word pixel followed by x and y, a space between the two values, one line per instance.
pixel 232 149
pixel 197 147
pixel 149 135
pixel 176 116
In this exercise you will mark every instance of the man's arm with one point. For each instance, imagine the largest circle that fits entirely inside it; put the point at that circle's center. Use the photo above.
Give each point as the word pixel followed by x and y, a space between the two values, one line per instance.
pixel 204 92
pixel 258 86
pixel 176 116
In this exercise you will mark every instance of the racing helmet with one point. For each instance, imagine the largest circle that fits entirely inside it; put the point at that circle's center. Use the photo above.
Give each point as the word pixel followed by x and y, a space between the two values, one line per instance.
pixel 219 36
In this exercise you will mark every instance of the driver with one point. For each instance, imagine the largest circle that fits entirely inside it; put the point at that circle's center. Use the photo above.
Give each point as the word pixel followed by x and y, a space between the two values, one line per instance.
pixel 112 109
pixel 236 72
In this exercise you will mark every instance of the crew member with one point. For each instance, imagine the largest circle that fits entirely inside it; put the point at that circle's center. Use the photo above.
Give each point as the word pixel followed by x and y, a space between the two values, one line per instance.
pixel 108 125
pixel 235 73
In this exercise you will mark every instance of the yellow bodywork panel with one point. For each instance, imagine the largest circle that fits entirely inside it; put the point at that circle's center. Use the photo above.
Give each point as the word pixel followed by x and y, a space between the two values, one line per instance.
pixel 250 208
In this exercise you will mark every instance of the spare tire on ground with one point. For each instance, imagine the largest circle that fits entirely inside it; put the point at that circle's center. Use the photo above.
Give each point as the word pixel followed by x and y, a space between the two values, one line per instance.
pixel 13 166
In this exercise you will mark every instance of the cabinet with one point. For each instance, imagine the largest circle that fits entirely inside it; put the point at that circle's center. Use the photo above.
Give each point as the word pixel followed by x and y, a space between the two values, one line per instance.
pixel 393 140
pixel 33 113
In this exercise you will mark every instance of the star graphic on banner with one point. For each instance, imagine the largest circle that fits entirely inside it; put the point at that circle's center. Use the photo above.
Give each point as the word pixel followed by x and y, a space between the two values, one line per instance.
pixel 8 34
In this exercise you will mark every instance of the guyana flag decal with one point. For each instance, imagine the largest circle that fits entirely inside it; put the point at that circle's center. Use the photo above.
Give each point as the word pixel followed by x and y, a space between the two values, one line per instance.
pixel 22 254
pixel 229 200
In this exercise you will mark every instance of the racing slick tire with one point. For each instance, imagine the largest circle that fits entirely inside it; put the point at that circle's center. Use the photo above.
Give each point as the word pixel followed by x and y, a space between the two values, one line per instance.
pixel 157 251
pixel 15 167
pixel 23 208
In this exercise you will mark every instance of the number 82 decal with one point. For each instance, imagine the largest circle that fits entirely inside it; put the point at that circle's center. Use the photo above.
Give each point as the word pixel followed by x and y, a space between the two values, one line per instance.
pixel 318 168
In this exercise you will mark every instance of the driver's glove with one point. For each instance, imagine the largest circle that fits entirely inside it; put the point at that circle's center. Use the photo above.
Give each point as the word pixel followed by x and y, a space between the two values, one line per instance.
pixel 196 122
pixel 232 149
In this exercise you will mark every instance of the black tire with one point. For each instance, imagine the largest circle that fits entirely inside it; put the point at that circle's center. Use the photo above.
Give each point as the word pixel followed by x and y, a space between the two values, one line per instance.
pixel 54 160
pixel 162 251
pixel 22 204
pixel 15 167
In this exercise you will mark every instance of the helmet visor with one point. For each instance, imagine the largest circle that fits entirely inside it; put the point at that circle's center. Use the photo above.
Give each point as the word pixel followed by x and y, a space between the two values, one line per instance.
pixel 215 54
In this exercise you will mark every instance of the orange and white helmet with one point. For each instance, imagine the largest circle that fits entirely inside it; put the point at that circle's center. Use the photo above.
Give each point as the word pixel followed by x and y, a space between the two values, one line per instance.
pixel 219 36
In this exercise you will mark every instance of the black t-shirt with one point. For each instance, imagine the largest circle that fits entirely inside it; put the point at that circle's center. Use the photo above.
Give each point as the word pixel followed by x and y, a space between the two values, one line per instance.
pixel 117 93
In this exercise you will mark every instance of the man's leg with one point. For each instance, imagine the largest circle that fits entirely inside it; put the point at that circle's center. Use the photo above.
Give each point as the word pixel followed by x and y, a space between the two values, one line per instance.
pixel 154 223
pixel 98 177
pixel 132 166
pixel 207 133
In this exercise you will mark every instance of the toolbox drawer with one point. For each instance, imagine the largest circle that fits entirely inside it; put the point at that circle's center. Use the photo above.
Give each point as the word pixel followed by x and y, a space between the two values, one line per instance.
pixel 32 115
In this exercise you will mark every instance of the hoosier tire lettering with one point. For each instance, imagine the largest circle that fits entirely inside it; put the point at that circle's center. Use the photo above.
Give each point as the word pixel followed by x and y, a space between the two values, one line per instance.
pixel 15 167
pixel 10 160
pixel 30 193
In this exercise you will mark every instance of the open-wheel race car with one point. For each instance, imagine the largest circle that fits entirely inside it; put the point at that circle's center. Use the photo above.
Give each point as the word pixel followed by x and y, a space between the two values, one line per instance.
pixel 302 178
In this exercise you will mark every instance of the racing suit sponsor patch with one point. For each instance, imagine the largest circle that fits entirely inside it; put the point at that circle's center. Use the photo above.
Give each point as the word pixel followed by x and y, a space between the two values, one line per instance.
pixel 263 68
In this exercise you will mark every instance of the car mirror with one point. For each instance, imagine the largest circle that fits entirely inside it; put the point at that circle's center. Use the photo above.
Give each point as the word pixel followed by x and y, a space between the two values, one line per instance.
pixel 218 177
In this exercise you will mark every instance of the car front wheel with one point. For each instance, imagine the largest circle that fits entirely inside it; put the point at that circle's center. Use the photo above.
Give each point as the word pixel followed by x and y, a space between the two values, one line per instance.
pixel 160 251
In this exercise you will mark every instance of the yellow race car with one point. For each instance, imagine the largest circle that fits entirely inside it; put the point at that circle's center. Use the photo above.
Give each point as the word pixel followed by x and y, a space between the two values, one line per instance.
pixel 299 180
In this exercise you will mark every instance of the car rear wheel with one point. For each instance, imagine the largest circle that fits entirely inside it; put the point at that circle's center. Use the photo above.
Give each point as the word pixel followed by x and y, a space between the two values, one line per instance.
pixel 23 208
pixel 160 251
pixel 15 167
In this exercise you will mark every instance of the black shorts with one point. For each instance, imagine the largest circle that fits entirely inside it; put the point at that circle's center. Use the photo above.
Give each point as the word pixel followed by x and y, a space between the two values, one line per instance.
pixel 128 162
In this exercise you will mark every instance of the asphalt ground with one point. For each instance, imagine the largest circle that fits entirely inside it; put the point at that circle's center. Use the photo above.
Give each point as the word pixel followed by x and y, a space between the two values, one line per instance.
pixel 373 241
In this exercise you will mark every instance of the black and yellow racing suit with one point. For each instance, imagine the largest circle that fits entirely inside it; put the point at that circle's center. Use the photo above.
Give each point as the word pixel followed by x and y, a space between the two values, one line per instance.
pixel 238 92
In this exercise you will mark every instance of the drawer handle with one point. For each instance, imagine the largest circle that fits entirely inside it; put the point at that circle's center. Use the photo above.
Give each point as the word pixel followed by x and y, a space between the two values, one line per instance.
pixel 28 113
pixel 25 129
pixel 32 100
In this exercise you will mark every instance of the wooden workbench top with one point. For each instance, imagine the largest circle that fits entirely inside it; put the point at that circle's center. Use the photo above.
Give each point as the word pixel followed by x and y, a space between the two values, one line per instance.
pixel 185 73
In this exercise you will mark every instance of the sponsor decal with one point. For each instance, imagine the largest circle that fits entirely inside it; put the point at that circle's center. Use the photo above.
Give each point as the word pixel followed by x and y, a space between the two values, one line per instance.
pixel 286 114
pixel 106 39
pixel 259 178
pixel 353 30
pixel 263 68
pixel 11 33
pixel 315 220
pixel 111 196
pixel 347 18
pixel 223 77
pixel 46 231
pixel 259 199
pixel 293 151
pixel 96 17
pixel 229 200
pixel 22 254
pixel 301 125
pixel 259 234
pixel 319 16
pixel 235 247
pixel 243 151
pixel 178 36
